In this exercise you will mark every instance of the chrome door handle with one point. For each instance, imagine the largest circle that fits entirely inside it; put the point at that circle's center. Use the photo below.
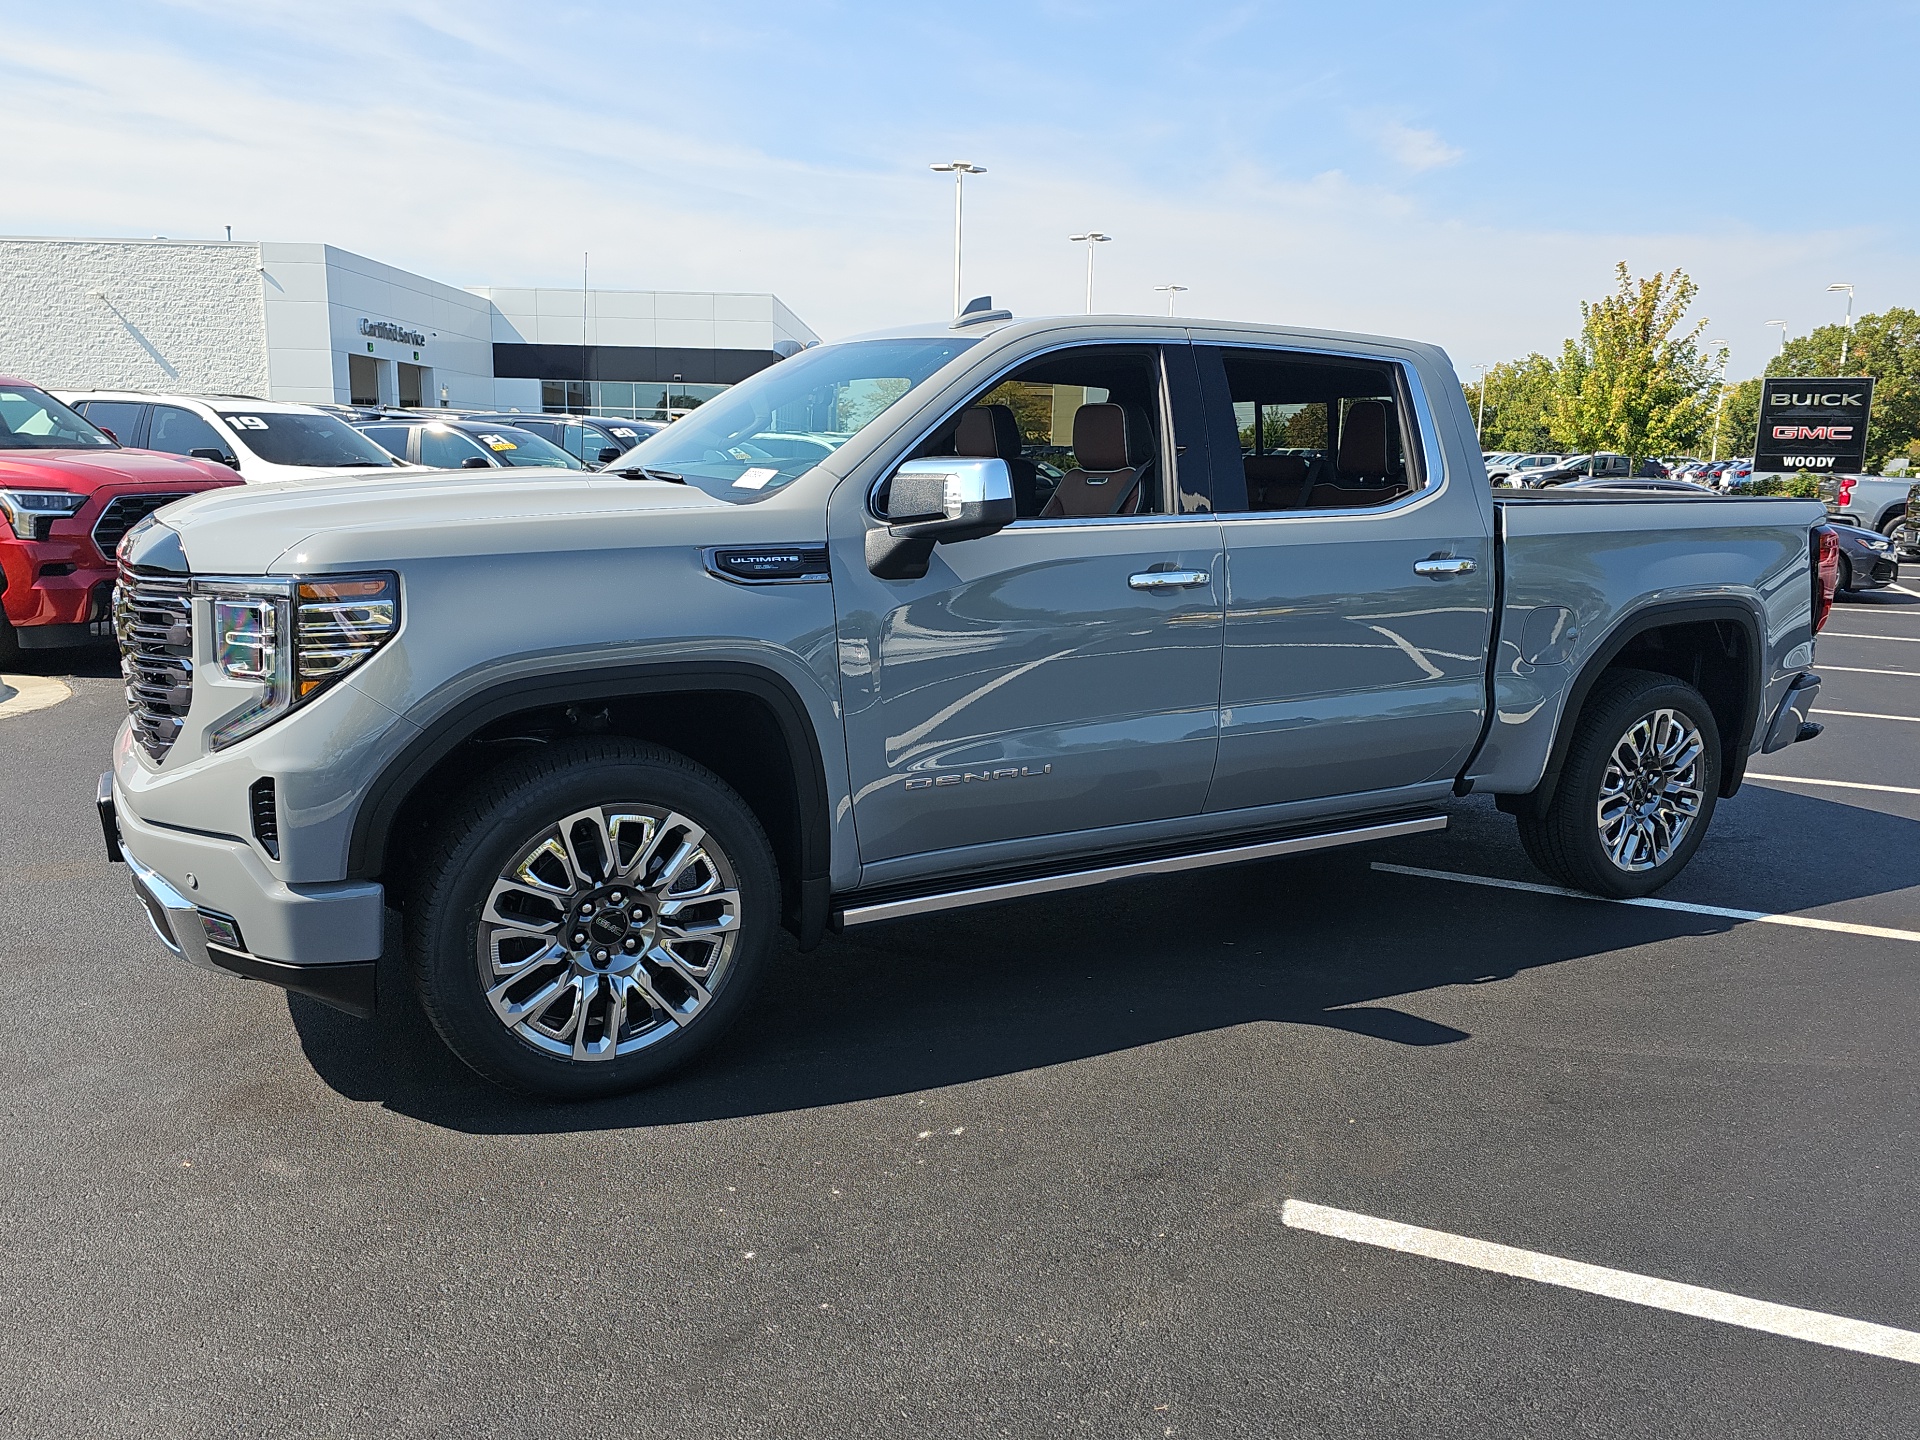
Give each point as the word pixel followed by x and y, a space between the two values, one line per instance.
pixel 1439 567
pixel 1169 579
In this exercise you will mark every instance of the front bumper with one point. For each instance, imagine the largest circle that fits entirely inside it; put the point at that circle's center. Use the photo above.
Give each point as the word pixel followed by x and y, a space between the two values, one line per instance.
pixel 57 591
pixel 249 917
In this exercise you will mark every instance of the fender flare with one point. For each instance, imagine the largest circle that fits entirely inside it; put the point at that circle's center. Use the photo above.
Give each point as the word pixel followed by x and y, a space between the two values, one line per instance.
pixel 381 801
pixel 1625 631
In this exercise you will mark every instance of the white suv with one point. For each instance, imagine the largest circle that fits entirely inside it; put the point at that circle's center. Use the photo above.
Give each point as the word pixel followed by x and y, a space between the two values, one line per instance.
pixel 262 439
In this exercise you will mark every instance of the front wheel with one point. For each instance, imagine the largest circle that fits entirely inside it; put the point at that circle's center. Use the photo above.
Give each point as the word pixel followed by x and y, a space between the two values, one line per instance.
pixel 1637 791
pixel 595 916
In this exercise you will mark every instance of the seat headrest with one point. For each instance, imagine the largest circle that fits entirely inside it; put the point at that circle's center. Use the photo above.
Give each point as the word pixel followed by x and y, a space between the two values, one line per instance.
pixel 1100 438
pixel 988 432
pixel 1363 439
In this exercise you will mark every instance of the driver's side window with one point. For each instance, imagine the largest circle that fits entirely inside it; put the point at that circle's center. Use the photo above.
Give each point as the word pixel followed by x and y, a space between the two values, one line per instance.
pixel 1080 431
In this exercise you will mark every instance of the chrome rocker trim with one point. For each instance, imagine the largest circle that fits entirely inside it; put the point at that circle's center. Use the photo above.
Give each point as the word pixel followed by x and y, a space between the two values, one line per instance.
pixel 1163 865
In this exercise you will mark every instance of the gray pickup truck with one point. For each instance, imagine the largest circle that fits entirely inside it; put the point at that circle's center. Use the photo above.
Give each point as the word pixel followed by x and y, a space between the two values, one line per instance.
pixel 932 618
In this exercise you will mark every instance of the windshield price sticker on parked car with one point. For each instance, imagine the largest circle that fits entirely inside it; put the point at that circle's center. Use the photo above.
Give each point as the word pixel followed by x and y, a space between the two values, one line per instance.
pixel 1812 424
pixel 754 479
pixel 498 442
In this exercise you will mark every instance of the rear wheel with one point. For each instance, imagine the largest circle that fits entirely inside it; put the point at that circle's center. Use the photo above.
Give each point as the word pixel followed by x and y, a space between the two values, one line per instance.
pixel 1637 791
pixel 595 916
pixel 9 642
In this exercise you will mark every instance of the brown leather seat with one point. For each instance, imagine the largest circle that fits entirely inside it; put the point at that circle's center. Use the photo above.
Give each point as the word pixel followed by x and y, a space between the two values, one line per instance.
pixel 1275 482
pixel 1364 471
pixel 991 432
pixel 1107 480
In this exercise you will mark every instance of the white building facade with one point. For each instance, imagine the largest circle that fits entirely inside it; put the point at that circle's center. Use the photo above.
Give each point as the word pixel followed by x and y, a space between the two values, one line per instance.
pixel 319 324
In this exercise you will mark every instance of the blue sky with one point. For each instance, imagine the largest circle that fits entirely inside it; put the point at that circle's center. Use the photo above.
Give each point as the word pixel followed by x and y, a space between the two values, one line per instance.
pixel 1462 173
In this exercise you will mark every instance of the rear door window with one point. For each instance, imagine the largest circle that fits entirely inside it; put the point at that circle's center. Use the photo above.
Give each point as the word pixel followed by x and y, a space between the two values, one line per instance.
pixel 389 437
pixel 122 417
pixel 1308 432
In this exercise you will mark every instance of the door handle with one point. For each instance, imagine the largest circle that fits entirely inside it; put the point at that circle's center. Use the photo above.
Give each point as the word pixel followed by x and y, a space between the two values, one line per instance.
pixel 1169 579
pixel 1439 567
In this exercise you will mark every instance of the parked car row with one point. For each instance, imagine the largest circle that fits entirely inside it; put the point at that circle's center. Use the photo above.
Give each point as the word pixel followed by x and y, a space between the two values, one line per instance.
pixel 79 469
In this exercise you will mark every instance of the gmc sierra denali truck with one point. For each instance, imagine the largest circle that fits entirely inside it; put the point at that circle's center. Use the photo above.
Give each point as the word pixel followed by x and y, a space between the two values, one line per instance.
pixel 925 619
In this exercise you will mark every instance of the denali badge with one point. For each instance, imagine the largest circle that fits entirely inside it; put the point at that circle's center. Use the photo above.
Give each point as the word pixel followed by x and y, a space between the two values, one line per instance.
pixel 927 782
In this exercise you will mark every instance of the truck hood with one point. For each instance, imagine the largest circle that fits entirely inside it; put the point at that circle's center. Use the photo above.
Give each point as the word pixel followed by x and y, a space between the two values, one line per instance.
pixel 90 470
pixel 338 523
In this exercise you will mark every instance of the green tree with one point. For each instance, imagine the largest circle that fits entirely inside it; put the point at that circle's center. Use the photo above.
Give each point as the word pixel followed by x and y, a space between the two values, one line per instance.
pixel 1519 398
pixel 1635 381
pixel 1739 421
pixel 1885 346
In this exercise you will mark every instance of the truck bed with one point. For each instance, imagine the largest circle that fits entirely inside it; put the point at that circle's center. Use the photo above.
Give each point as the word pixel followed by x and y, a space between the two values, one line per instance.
pixel 1576 568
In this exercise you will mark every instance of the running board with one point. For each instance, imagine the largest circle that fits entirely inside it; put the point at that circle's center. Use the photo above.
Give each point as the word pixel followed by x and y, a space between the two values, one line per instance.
pixel 1164 865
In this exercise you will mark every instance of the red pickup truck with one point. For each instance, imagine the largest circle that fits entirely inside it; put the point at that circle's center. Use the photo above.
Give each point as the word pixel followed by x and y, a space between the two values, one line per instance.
pixel 68 492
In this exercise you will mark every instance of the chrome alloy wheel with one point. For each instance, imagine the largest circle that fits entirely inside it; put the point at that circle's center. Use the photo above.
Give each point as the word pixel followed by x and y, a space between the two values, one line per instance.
pixel 1651 791
pixel 608 931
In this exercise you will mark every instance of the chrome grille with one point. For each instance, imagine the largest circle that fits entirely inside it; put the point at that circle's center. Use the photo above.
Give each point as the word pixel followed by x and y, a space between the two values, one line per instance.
pixel 122 514
pixel 153 621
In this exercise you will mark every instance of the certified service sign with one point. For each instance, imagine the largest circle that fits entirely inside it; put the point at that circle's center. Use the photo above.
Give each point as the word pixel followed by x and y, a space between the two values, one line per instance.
pixel 1812 425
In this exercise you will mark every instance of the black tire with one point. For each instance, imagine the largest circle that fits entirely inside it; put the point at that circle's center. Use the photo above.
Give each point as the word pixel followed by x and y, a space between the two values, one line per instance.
pixel 1890 527
pixel 1567 841
pixel 9 643
pixel 497 821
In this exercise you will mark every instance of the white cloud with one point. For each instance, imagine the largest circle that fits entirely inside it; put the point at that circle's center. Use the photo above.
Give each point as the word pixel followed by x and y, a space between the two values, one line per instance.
pixel 1414 149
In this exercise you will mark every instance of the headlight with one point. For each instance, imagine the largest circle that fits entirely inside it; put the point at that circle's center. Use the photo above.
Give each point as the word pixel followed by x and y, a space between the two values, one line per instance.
pixel 31 512
pixel 281 642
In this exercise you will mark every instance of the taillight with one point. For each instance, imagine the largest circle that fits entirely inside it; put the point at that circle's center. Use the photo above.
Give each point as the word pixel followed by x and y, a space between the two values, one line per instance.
pixel 1845 496
pixel 1826 574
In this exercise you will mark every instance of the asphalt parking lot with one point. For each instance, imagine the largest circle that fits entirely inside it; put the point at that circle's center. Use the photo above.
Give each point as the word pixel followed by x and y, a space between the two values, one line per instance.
pixel 1019 1171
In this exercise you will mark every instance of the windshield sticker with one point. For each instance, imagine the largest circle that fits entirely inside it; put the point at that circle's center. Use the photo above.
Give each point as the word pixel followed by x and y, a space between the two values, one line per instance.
pixel 499 442
pixel 754 479
pixel 246 422
pixel 622 432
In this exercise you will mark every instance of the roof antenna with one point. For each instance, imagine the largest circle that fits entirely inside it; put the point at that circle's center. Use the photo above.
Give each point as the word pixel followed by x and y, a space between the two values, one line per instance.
pixel 979 311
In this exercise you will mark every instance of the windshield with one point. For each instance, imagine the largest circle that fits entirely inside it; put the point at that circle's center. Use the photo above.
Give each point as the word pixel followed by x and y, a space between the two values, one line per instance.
pixel 31 419
pixel 768 431
pixel 522 447
pixel 297 437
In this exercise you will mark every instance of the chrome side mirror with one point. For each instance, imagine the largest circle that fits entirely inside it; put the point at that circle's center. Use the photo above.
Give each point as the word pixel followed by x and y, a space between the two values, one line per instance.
pixel 941 500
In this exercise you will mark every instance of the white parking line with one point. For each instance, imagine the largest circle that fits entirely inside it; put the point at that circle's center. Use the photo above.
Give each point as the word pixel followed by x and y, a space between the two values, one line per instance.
pixel 1647 902
pixel 1856 670
pixel 1855 635
pixel 1815 1326
pixel 1835 784
pixel 1869 715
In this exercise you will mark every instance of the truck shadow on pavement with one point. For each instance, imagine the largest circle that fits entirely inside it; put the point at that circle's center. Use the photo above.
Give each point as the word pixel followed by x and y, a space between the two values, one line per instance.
pixel 916 1005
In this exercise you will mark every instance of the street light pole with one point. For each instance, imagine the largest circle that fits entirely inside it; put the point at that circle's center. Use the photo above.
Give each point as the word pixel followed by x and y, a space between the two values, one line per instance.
pixel 1719 394
pixel 1783 335
pixel 1171 291
pixel 1093 238
pixel 960 170
pixel 1480 420
pixel 1847 333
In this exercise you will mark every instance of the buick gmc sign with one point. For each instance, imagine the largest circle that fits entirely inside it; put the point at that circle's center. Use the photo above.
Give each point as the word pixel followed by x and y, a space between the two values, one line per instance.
pixel 1812 424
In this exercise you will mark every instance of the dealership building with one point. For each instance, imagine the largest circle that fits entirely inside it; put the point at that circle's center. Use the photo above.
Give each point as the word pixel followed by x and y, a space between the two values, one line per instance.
pixel 318 324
